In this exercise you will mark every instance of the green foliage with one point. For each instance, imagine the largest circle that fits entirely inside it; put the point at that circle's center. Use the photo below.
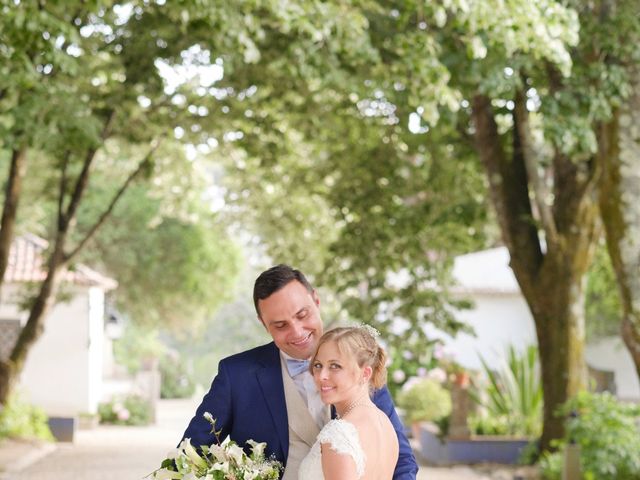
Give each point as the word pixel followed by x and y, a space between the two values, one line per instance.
pixel 177 379
pixel 174 261
pixel 130 410
pixel 483 424
pixel 424 400
pixel 371 210
pixel 607 433
pixel 405 365
pixel 137 346
pixel 80 90
pixel 19 419
pixel 512 398
pixel 236 322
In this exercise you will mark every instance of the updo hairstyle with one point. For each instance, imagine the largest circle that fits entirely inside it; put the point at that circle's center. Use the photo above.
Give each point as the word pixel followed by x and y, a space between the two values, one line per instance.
pixel 360 344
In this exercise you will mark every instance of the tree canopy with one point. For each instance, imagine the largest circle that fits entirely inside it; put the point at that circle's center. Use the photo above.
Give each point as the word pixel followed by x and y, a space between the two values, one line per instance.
pixel 524 87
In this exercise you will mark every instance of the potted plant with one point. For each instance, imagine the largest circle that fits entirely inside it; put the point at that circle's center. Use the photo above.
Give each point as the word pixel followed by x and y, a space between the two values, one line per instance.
pixel 509 416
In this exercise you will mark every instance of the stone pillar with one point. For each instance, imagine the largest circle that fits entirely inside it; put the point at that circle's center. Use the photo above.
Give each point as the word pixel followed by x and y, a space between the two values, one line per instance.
pixel 461 407
pixel 148 382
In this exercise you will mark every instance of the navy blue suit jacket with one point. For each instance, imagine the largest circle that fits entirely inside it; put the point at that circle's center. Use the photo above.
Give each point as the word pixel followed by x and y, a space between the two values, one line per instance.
pixel 247 400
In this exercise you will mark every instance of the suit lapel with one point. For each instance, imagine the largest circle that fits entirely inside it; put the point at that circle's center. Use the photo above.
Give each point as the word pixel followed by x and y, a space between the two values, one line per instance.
pixel 270 380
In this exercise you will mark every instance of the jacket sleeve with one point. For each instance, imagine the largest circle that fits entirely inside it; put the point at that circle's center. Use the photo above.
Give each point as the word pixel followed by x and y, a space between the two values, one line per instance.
pixel 406 468
pixel 217 402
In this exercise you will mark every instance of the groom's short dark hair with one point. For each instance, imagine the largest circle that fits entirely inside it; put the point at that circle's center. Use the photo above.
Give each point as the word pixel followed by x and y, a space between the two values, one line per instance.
pixel 274 279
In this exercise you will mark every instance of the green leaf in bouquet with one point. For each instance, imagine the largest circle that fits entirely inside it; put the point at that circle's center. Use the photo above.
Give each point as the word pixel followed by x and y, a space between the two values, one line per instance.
pixel 169 464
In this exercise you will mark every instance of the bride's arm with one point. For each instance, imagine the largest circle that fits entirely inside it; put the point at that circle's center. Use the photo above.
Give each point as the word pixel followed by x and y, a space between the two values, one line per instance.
pixel 337 466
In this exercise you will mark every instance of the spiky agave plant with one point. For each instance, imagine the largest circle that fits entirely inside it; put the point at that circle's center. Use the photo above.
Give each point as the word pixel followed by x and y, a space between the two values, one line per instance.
pixel 513 392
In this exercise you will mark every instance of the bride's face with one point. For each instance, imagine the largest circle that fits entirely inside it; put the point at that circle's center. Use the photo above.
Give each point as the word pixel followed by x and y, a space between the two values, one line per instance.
pixel 338 377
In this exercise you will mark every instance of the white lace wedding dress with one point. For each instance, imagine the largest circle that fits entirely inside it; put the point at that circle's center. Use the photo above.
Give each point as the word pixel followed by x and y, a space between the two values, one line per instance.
pixel 342 437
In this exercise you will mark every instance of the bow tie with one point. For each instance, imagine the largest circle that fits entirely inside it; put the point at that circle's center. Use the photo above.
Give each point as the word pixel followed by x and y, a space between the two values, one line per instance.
pixel 296 367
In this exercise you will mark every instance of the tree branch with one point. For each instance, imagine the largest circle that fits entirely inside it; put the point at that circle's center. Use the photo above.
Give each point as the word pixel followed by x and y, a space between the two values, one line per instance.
pixel 509 194
pixel 537 185
pixel 83 178
pixel 142 166
pixel 63 188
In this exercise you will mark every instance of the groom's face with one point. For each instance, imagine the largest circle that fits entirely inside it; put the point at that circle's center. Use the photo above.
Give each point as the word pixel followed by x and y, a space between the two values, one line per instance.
pixel 292 317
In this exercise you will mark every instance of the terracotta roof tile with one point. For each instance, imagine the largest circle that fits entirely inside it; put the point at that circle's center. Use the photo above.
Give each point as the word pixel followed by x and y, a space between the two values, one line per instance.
pixel 25 264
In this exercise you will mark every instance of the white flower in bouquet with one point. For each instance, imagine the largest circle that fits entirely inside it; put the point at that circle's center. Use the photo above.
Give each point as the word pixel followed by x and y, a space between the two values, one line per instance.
pixel 257 449
pixel 221 461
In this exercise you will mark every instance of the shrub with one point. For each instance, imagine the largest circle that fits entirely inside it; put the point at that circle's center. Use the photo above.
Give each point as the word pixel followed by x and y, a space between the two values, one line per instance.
pixel 176 379
pixel 132 410
pixel 19 419
pixel 608 435
pixel 424 400
pixel 488 425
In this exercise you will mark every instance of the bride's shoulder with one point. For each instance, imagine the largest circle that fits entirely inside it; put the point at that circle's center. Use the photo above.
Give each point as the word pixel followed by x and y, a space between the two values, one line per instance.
pixel 341 435
pixel 343 438
pixel 337 428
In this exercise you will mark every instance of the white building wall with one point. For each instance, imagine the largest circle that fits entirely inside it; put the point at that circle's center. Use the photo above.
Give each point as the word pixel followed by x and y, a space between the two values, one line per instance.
pixel 96 348
pixel 56 373
pixel 9 299
pixel 502 320
pixel 498 320
pixel 612 354
pixel 502 317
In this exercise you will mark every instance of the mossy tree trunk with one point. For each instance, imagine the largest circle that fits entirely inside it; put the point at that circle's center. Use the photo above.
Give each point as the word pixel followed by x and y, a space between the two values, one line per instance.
pixel 620 209
pixel 550 229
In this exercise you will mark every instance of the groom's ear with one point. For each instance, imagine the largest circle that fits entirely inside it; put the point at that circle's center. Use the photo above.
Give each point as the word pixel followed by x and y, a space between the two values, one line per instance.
pixel 315 297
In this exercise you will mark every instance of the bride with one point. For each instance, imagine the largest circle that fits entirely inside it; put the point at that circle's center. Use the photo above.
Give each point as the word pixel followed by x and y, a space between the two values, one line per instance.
pixel 360 443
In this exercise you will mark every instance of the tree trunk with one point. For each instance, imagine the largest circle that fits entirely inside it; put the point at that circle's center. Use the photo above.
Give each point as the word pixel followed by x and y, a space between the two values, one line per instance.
pixel 17 170
pixel 558 311
pixel 10 369
pixel 550 272
pixel 620 190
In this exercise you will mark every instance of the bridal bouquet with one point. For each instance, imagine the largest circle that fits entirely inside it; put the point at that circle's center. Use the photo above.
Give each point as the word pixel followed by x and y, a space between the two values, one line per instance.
pixel 221 461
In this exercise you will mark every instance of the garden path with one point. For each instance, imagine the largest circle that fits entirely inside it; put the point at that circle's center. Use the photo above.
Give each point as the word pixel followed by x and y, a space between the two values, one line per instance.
pixel 117 453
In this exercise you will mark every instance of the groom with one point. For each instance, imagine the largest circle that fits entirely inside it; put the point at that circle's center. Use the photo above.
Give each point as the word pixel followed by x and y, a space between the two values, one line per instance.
pixel 267 394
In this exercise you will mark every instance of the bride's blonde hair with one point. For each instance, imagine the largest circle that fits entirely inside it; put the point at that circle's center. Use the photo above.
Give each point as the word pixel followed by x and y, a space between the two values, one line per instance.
pixel 360 343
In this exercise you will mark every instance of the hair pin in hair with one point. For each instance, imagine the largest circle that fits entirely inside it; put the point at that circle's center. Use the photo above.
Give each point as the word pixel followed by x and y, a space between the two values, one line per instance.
pixel 370 330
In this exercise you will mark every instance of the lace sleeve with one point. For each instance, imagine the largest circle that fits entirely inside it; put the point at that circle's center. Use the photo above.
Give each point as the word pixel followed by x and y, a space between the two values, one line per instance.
pixel 342 437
